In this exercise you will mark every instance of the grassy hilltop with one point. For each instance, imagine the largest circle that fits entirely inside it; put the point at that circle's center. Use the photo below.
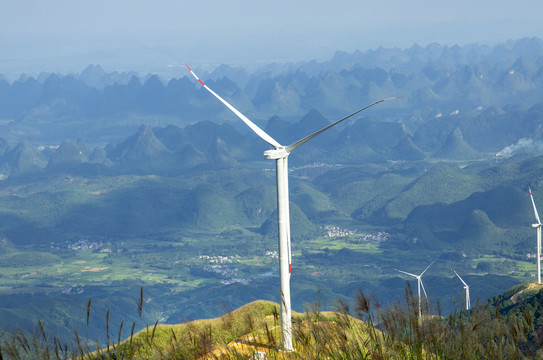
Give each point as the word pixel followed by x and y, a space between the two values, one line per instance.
pixel 509 326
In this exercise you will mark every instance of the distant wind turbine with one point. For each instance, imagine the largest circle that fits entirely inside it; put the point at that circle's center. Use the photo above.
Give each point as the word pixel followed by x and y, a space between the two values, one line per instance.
pixel 420 284
pixel 466 286
pixel 280 155
pixel 538 229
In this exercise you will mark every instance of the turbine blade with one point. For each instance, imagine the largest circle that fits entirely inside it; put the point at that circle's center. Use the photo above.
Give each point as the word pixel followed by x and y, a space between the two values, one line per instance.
pixel 427 267
pixel 309 137
pixel 405 272
pixel 459 277
pixel 423 289
pixel 535 209
pixel 267 138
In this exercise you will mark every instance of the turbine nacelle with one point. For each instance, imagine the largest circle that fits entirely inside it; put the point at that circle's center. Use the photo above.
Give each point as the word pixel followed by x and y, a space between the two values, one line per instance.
pixel 536 225
pixel 275 154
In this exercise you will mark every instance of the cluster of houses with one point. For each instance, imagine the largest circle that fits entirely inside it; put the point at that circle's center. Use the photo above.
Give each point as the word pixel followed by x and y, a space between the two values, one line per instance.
pixel 233 281
pixel 219 259
pixel 84 244
pixel 380 237
pixel 221 270
pixel 219 267
pixel 336 231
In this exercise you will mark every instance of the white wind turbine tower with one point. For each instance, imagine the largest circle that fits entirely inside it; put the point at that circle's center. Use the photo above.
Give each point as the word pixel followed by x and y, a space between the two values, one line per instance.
pixel 538 229
pixel 420 284
pixel 280 155
pixel 466 286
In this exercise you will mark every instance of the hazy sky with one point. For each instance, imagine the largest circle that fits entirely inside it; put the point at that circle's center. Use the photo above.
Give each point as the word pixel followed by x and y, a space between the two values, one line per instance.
pixel 67 35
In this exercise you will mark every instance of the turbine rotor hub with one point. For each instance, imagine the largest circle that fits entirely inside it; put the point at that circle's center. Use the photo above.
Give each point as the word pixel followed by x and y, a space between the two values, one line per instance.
pixel 275 154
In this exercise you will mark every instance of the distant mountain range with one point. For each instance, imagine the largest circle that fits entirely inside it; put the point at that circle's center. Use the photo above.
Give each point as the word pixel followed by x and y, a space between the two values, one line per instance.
pixel 206 144
pixel 437 81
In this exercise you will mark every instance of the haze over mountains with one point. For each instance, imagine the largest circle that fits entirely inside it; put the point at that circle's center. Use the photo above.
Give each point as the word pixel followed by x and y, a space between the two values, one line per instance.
pixel 435 80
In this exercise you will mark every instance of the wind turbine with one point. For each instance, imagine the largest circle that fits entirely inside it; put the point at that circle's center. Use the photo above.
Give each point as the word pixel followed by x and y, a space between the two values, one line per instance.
pixel 280 154
pixel 466 286
pixel 538 228
pixel 420 284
